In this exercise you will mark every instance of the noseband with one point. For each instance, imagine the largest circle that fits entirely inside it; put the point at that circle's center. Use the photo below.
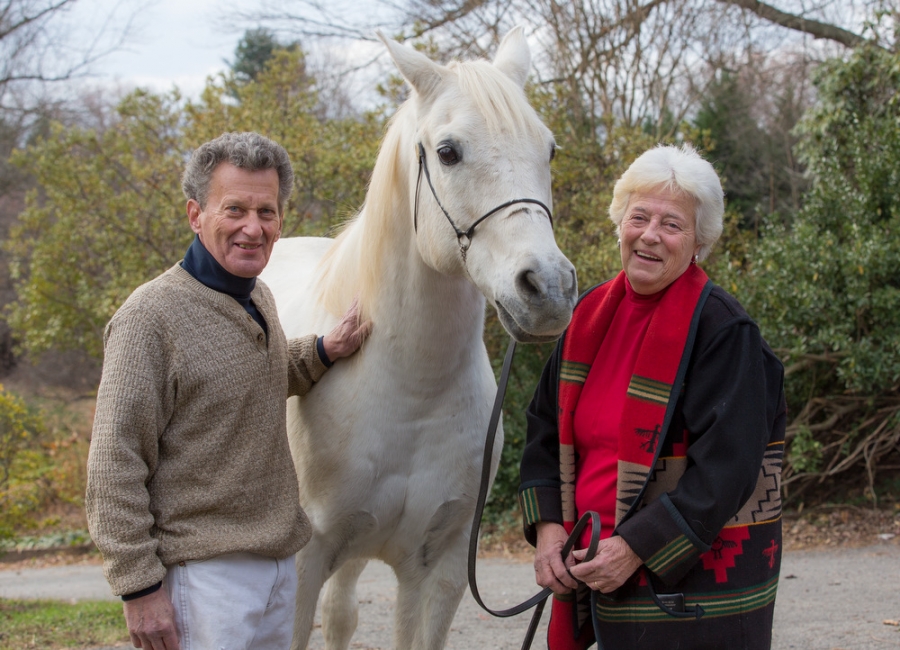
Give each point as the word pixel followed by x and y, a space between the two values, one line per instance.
pixel 464 238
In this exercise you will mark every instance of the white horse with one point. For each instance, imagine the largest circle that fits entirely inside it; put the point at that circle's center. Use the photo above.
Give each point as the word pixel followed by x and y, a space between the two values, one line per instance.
pixel 388 445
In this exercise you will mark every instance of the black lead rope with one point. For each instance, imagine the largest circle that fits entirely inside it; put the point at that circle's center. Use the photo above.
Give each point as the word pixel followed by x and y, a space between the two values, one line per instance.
pixel 540 598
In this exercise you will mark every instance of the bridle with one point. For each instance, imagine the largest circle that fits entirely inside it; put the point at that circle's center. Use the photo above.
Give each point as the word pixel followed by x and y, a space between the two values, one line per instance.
pixel 463 237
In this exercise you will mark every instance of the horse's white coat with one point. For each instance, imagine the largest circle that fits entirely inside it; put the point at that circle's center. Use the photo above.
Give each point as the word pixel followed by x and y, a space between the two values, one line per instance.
pixel 388 444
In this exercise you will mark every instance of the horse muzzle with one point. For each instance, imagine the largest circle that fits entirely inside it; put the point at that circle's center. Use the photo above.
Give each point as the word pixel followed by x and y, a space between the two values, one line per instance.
pixel 539 306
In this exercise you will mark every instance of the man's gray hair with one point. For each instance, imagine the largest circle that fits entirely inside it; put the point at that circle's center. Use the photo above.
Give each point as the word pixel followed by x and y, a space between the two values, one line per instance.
pixel 679 169
pixel 246 150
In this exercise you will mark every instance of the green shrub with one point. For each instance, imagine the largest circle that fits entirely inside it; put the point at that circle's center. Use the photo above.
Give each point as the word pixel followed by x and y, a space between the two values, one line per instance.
pixel 21 466
pixel 826 287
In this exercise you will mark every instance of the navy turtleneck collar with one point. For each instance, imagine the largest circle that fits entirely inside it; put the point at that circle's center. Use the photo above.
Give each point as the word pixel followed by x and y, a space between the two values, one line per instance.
pixel 200 263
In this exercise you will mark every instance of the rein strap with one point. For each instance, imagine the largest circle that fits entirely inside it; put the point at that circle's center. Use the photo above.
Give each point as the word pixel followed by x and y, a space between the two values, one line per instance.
pixel 540 598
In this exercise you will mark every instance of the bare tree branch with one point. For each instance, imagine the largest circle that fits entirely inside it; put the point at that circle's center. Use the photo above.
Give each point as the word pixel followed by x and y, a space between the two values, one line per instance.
pixel 814 28
pixel 38 45
pixel 7 28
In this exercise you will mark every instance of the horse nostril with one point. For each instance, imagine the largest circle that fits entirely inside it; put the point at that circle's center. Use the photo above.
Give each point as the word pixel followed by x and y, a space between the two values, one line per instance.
pixel 531 285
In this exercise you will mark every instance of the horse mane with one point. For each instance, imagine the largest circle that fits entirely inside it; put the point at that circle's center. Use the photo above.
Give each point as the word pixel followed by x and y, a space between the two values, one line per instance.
pixel 351 266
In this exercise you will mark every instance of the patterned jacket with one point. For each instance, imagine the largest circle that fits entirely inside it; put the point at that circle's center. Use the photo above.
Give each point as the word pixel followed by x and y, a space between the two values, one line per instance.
pixel 705 517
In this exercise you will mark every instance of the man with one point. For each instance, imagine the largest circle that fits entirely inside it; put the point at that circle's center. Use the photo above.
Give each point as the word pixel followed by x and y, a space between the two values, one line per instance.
pixel 192 495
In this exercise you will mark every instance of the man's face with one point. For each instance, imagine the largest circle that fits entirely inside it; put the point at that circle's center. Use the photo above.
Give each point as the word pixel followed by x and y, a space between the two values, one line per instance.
pixel 241 221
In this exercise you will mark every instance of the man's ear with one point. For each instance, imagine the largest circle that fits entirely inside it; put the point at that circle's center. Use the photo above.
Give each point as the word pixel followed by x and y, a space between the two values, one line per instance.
pixel 193 212
pixel 280 226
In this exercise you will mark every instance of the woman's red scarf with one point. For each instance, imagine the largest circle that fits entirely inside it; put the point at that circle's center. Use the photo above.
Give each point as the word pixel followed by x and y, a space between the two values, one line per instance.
pixel 648 399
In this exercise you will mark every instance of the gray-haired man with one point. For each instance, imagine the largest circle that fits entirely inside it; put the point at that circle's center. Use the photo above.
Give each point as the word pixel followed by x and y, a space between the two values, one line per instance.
pixel 192 496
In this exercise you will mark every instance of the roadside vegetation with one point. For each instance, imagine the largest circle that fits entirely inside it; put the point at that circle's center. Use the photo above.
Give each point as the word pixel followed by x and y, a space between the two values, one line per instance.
pixel 43 453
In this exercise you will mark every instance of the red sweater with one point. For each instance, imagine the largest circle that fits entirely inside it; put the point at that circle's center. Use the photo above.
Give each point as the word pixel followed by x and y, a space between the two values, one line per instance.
pixel 599 410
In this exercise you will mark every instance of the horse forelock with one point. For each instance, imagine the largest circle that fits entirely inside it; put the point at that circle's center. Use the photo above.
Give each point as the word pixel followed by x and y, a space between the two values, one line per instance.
pixel 497 98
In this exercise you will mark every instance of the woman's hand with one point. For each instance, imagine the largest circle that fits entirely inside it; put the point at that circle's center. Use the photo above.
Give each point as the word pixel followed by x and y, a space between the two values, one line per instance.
pixel 614 563
pixel 549 568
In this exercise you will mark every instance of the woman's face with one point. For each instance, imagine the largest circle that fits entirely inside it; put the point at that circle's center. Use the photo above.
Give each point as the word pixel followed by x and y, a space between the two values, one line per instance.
pixel 658 238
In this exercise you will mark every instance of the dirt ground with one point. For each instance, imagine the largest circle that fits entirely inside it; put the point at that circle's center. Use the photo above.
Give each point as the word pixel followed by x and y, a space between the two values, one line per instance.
pixel 841 527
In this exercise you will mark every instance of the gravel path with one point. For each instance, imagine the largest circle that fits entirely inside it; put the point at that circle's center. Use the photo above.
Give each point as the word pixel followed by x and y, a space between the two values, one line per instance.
pixel 827 599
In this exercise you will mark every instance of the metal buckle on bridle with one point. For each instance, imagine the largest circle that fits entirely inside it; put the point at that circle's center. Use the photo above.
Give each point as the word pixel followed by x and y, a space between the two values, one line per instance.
pixel 464 238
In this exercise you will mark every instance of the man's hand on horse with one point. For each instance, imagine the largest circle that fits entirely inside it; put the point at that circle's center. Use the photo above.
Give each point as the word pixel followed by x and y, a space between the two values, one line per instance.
pixel 347 335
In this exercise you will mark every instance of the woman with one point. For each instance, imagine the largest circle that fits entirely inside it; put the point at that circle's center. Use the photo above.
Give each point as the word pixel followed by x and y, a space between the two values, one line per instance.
pixel 686 482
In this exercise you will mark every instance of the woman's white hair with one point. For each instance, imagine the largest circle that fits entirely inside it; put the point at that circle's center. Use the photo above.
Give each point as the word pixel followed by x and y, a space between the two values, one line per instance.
pixel 678 169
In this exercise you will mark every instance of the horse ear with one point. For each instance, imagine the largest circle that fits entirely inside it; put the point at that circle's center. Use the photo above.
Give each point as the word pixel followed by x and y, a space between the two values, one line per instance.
pixel 513 57
pixel 423 74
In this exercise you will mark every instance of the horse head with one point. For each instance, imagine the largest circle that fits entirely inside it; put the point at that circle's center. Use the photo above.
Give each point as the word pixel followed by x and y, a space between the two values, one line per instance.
pixel 480 185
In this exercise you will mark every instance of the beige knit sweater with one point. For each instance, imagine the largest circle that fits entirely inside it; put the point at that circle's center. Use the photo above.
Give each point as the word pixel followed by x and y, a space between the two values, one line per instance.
pixel 189 455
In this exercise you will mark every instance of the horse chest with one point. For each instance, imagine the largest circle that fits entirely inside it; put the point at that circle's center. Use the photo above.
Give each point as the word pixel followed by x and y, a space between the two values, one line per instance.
pixel 415 437
pixel 390 431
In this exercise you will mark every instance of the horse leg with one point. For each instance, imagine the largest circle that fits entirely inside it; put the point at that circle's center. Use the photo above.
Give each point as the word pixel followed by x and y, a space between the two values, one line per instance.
pixel 340 605
pixel 311 575
pixel 321 558
pixel 432 580
pixel 427 603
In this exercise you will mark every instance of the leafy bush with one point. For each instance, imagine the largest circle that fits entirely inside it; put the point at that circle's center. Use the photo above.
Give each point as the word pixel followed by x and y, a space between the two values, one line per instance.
pixel 21 468
pixel 826 289
pixel 43 455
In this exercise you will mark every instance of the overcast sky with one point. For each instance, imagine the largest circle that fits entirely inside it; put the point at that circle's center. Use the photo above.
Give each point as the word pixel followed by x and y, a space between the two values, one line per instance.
pixel 174 43
pixel 179 43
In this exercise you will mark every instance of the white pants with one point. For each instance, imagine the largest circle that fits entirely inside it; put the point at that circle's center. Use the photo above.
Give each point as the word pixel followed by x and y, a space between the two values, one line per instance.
pixel 234 602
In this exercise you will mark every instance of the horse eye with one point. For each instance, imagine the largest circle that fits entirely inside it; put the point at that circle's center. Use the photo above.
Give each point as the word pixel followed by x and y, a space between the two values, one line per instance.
pixel 448 155
pixel 552 151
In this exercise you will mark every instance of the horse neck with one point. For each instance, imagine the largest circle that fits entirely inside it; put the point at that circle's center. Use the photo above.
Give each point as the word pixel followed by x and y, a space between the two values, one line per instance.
pixel 429 310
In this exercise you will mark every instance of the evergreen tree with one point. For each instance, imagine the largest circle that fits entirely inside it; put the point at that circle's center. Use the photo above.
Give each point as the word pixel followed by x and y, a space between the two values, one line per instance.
pixel 255 49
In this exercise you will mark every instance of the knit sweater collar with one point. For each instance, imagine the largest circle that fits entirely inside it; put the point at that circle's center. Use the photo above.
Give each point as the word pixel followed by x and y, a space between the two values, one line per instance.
pixel 200 263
